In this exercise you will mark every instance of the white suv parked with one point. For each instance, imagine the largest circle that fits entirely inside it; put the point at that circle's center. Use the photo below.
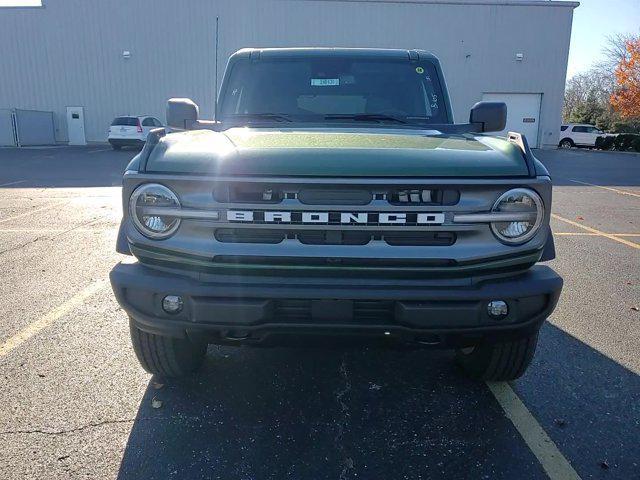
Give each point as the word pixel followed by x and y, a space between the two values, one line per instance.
pixel 579 135
pixel 131 130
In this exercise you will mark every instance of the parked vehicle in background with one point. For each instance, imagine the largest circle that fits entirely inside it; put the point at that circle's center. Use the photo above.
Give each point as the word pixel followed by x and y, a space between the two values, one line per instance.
pixel 579 135
pixel 131 131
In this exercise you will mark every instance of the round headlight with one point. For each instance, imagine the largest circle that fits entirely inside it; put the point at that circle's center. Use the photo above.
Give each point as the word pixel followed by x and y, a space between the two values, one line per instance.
pixel 146 207
pixel 524 205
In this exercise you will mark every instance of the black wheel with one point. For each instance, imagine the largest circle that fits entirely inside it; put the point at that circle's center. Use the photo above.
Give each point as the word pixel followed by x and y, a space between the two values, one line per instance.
pixel 566 143
pixel 498 361
pixel 166 356
pixel 116 147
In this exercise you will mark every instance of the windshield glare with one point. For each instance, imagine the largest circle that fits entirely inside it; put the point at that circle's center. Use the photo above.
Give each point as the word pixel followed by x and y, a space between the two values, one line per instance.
pixel 312 88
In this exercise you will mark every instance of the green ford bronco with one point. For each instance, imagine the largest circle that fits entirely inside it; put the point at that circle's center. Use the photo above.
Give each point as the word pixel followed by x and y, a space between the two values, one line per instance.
pixel 334 200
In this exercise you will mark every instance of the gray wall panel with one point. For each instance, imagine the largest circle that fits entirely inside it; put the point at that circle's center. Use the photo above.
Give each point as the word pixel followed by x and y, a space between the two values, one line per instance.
pixel 70 52
pixel 7 138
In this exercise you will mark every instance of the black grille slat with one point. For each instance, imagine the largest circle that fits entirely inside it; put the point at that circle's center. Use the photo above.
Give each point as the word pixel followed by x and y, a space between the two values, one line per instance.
pixel 292 311
pixel 314 196
pixel 330 261
pixel 431 239
pixel 247 235
pixel 364 311
pixel 334 237
pixel 374 310
pixel 243 192
pixel 320 237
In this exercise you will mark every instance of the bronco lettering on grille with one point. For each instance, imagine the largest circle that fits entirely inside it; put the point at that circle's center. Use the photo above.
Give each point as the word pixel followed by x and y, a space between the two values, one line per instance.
pixel 344 218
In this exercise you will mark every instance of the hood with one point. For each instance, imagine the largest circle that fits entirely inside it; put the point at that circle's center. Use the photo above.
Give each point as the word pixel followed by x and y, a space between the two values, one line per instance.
pixel 325 152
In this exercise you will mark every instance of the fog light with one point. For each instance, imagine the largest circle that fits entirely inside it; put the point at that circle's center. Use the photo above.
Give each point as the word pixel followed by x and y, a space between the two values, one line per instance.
pixel 497 309
pixel 172 303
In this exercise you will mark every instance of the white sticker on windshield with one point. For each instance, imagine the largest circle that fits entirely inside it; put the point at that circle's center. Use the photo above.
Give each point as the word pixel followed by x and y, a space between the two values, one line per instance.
pixel 325 82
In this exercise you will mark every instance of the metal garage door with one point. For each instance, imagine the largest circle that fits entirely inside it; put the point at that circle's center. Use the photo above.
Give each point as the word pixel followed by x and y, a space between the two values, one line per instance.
pixel 523 113
pixel 7 136
pixel 35 127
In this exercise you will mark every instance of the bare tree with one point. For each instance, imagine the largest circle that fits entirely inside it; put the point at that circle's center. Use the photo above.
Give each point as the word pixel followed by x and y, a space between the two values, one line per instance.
pixel 615 50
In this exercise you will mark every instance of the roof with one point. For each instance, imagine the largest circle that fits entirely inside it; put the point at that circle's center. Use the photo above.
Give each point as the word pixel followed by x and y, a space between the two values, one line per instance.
pixel 513 3
pixel 306 52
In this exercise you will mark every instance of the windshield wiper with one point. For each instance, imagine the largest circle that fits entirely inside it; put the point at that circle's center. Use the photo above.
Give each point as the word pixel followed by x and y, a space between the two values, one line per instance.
pixel 365 117
pixel 278 117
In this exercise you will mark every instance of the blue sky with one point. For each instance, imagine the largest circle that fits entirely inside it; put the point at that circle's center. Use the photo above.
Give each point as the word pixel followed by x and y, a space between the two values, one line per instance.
pixel 593 20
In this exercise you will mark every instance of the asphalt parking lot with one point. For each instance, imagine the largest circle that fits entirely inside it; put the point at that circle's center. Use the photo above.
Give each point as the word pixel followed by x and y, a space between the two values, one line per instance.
pixel 74 402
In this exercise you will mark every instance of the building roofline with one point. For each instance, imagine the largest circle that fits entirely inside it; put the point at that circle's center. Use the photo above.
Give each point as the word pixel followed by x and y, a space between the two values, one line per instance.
pixel 509 3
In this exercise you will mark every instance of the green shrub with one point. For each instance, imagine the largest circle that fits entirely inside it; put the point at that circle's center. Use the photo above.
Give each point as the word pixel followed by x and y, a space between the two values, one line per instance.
pixel 635 145
pixel 605 143
pixel 599 141
pixel 630 126
pixel 624 141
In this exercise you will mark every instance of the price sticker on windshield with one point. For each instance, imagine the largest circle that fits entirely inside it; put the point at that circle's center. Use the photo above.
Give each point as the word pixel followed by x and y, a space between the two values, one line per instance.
pixel 325 82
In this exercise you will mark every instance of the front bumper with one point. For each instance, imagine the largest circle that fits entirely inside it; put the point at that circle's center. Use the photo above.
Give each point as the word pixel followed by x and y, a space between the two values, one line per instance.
pixel 257 311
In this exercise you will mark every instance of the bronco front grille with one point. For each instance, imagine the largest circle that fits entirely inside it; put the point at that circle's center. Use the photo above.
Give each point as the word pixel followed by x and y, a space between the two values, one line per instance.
pixel 309 213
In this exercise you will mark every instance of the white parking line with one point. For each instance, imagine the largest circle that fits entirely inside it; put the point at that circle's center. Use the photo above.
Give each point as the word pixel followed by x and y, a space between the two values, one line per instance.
pixel 12 183
pixel 46 207
pixel 622 192
pixel 101 150
pixel 33 328
pixel 553 462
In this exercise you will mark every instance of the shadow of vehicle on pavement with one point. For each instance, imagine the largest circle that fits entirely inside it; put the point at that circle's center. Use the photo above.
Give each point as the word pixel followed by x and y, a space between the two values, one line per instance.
pixel 313 413
pixel 295 413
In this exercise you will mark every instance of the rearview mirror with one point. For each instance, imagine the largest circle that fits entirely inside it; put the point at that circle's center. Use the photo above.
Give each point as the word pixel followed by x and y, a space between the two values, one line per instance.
pixel 492 116
pixel 182 113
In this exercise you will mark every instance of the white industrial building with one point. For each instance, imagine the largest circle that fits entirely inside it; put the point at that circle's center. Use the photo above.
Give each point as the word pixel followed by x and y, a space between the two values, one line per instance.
pixel 129 56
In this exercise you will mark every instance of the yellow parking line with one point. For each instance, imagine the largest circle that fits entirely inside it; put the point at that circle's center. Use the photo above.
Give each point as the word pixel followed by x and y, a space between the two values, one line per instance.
pixel 54 315
pixel 553 462
pixel 570 234
pixel 584 234
pixel 597 232
pixel 622 192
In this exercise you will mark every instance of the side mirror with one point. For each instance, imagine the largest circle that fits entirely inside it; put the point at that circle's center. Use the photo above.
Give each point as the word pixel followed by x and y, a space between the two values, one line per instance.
pixel 182 113
pixel 492 116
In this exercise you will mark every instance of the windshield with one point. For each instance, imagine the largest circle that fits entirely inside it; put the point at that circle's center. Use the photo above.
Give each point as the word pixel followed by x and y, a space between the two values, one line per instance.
pixel 332 88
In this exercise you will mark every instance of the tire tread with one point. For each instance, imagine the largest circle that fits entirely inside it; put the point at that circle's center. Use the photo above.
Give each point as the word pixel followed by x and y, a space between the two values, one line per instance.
pixel 502 361
pixel 166 356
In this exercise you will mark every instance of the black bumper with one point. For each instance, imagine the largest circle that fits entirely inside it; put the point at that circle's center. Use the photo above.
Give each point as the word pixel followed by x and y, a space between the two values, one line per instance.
pixel 126 142
pixel 255 311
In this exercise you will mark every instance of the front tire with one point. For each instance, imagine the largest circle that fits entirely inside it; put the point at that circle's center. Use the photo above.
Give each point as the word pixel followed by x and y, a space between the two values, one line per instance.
pixel 502 361
pixel 566 143
pixel 166 356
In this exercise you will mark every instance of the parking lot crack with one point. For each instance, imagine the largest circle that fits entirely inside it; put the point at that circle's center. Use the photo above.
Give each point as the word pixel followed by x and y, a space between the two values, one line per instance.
pixel 52 237
pixel 345 417
pixel 22 245
pixel 41 431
